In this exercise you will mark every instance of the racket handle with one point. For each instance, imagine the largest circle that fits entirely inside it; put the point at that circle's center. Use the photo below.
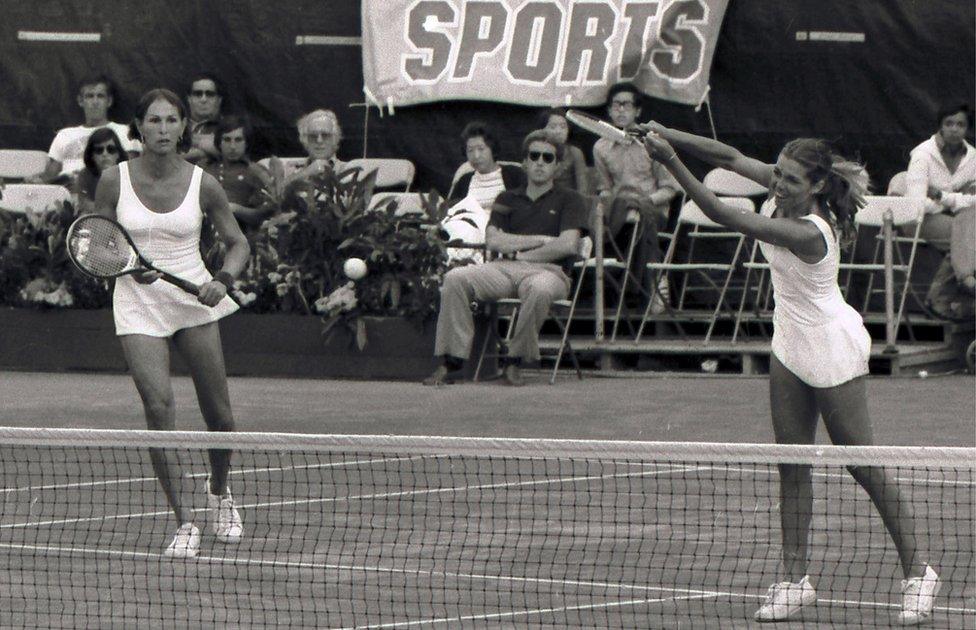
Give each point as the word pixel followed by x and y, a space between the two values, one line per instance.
pixel 186 285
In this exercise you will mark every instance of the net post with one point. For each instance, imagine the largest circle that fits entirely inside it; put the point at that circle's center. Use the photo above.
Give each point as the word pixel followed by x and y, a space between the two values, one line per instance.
pixel 889 279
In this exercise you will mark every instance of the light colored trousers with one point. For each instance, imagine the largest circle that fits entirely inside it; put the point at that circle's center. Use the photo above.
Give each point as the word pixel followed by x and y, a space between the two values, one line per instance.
pixel 538 285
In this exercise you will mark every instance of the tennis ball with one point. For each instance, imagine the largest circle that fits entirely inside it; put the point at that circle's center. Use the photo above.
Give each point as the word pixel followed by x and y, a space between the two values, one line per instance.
pixel 354 268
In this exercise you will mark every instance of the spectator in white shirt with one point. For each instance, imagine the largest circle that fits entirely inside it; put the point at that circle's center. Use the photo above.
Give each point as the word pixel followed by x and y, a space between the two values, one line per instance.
pixel 943 171
pixel 96 95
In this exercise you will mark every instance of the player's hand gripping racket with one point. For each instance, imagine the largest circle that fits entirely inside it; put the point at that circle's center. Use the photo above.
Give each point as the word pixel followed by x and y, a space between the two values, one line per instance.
pixel 101 248
pixel 599 127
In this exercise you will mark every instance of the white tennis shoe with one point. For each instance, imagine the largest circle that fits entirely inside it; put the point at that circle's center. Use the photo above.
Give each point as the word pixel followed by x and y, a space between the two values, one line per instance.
pixel 225 520
pixel 785 599
pixel 919 597
pixel 186 543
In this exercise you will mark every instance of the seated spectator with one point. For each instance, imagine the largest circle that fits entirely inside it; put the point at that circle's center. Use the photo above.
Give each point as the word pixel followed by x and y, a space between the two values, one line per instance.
pixel 488 178
pixel 242 179
pixel 104 149
pixel 204 98
pixel 627 179
pixel 538 227
pixel 942 170
pixel 571 172
pixel 320 135
pixel 96 95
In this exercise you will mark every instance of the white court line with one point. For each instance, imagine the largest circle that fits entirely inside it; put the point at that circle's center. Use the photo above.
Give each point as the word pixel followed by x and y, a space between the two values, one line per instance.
pixel 246 471
pixel 240 471
pixel 526 613
pixel 685 593
pixel 383 495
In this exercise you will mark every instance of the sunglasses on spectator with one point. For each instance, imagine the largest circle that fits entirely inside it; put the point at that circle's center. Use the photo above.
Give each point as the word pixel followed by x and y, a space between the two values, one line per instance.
pixel 319 135
pixel 110 149
pixel 546 157
pixel 203 93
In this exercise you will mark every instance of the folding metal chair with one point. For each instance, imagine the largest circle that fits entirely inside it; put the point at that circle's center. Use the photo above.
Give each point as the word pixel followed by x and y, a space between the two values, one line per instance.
pixel 726 183
pixel 758 267
pixel 898 184
pixel 32 197
pixel 18 164
pixel 407 202
pixel 716 275
pixel 906 213
pixel 507 310
pixel 585 254
pixel 390 172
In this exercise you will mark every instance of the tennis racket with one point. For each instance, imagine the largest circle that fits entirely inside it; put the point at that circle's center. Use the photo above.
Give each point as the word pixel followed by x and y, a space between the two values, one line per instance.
pixel 101 248
pixel 599 127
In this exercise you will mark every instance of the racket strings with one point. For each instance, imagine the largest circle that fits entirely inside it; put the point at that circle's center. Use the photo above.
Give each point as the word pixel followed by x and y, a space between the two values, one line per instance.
pixel 100 248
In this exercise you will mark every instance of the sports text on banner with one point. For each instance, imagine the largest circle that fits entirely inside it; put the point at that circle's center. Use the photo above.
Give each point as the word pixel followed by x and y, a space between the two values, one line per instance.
pixel 538 53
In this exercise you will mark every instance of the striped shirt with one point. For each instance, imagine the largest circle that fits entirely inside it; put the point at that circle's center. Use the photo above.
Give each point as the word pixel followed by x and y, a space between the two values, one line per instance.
pixel 485 187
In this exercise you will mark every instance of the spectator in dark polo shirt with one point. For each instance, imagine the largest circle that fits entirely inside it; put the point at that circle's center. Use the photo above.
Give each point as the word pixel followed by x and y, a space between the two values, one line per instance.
pixel 533 231
pixel 240 178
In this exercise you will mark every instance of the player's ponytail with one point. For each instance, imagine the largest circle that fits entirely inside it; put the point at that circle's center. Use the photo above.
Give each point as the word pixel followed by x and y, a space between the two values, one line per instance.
pixel 845 182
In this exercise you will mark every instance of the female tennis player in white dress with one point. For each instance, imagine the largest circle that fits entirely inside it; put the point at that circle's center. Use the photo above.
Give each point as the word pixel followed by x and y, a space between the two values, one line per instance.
pixel 820 346
pixel 160 199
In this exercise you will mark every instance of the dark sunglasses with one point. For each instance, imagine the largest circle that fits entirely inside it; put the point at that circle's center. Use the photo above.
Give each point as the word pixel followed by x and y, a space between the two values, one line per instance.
pixel 547 157
pixel 203 93
pixel 110 149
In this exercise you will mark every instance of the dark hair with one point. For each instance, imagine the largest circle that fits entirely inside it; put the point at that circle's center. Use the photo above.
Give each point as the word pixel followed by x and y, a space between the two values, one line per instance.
pixel 548 113
pixel 541 135
pixel 845 181
pixel 99 136
pixel 479 129
pixel 626 86
pixel 229 123
pixel 206 76
pixel 952 110
pixel 162 94
pixel 98 79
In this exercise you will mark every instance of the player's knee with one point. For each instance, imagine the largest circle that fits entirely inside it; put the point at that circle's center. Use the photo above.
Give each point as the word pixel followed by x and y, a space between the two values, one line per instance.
pixel 159 409
pixel 222 422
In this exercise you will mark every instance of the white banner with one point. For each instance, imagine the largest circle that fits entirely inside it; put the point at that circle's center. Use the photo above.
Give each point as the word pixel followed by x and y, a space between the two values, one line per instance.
pixel 537 52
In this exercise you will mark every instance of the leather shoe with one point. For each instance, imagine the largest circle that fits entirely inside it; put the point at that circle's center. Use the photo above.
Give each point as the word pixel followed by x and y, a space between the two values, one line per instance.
pixel 438 377
pixel 513 376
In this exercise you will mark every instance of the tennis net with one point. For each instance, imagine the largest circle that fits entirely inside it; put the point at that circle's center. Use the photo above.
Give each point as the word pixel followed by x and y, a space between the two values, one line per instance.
pixel 427 532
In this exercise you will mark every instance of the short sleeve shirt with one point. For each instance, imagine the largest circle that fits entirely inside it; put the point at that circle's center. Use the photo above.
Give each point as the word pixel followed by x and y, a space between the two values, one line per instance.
pixel 239 180
pixel 557 210
pixel 68 146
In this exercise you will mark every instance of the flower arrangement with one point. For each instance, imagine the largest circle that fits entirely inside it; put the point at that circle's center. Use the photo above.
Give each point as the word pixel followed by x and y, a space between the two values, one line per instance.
pixel 325 220
pixel 296 263
pixel 35 270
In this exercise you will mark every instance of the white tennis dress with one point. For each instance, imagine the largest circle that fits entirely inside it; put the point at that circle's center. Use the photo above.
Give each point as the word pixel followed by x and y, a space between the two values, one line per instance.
pixel 817 335
pixel 170 241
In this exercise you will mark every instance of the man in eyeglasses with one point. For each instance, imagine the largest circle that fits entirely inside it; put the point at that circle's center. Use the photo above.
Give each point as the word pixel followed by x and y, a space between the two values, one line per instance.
pixel 204 98
pixel 320 135
pixel 628 180
pixel 96 96
pixel 535 229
